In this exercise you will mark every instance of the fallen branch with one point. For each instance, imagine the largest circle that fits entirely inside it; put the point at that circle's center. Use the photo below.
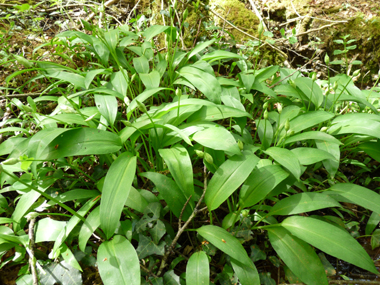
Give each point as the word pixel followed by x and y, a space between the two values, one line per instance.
pixel 181 229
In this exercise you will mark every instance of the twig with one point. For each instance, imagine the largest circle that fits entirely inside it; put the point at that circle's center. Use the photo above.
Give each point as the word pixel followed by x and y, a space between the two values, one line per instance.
pixel 315 18
pixel 314 30
pixel 134 8
pixel 148 271
pixel 68 6
pixel 196 36
pixel 32 261
pixel 109 2
pixel 183 210
pixel 258 15
pixel 26 95
pixel 181 229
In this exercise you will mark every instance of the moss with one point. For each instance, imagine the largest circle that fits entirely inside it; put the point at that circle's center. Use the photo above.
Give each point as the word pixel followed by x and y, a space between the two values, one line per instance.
pixel 235 12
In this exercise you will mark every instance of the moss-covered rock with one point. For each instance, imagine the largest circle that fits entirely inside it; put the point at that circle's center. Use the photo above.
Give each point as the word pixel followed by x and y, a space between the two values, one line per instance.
pixel 235 12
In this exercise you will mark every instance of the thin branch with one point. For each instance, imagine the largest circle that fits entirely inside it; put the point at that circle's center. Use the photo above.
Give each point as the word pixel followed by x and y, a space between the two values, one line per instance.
pixel 106 4
pixel 134 8
pixel 182 229
pixel 258 15
pixel 183 210
pixel 32 261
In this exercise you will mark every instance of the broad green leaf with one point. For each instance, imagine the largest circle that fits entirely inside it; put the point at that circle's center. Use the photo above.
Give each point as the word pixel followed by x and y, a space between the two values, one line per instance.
pixel 82 141
pixel 77 80
pixel 362 127
pixel 310 89
pixel 331 165
pixel 153 31
pixel 260 183
pixel 247 275
pixel 310 155
pixel 120 82
pixel 219 55
pixel 330 239
pixel 141 98
pixel 107 106
pixel 372 223
pixel 204 82
pixel 309 119
pixel 232 102
pixel 303 202
pixel 136 201
pixel 200 47
pixel 228 177
pixel 230 245
pixel 178 161
pixel 372 149
pixel 118 262
pixel 147 247
pixel 217 138
pixel 214 113
pixel 60 272
pixel 170 278
pixel 69 257
pixel 116 189
pixel 358 195
pixel 298 256
pixel 48 230
pixel 287 159
pixel 111 37
pixel 141 64
pixel 71 224
pixel 171 193
pixel 265 131
pixel 88 228
pixel 151 80
pixel 312 135
pixel 198 269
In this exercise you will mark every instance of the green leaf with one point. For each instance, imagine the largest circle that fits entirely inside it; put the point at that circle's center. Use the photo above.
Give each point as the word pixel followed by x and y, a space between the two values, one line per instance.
pixel 151 80
pixel 141 64
pixel 200 47
pixel 71 224
pixel 330 239
pixel 310 89
pixel 107 106
pixel 204 82
pixel 303 202
pixel 69 257
pixel 77 80
pixel 141 98
pixel 147 247
pixel 309 119
pixel 265 131
pixel 48 230
pixel 217 138
pixel 357 195
pixel 153 31
pixel 82 141
pixel 178 161
pixel 230 245
pixel 298 256
pixel 116 189
pixel 136 201
pixel 120 82
pixel 312 135
pixel 171 193
pixel 88 228
pixel 372 149
pixel 361 127
pixel 198 269
pixel 287 159
pixel 260 183
pixel 247 274
pixel 228 177
pixel 331 165
pixel 372 223
pixel 60 272
pixel 118 262
pixel 310 155
pixel 220 55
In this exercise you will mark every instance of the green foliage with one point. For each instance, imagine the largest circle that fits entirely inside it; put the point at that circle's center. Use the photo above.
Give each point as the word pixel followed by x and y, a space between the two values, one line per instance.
pixel 139 140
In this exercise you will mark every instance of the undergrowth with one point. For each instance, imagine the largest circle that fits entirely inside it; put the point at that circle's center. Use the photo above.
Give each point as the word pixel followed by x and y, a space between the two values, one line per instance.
pixel 167 167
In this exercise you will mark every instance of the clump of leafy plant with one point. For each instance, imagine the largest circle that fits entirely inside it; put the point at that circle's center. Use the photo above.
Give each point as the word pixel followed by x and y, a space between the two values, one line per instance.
pixel 149 160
